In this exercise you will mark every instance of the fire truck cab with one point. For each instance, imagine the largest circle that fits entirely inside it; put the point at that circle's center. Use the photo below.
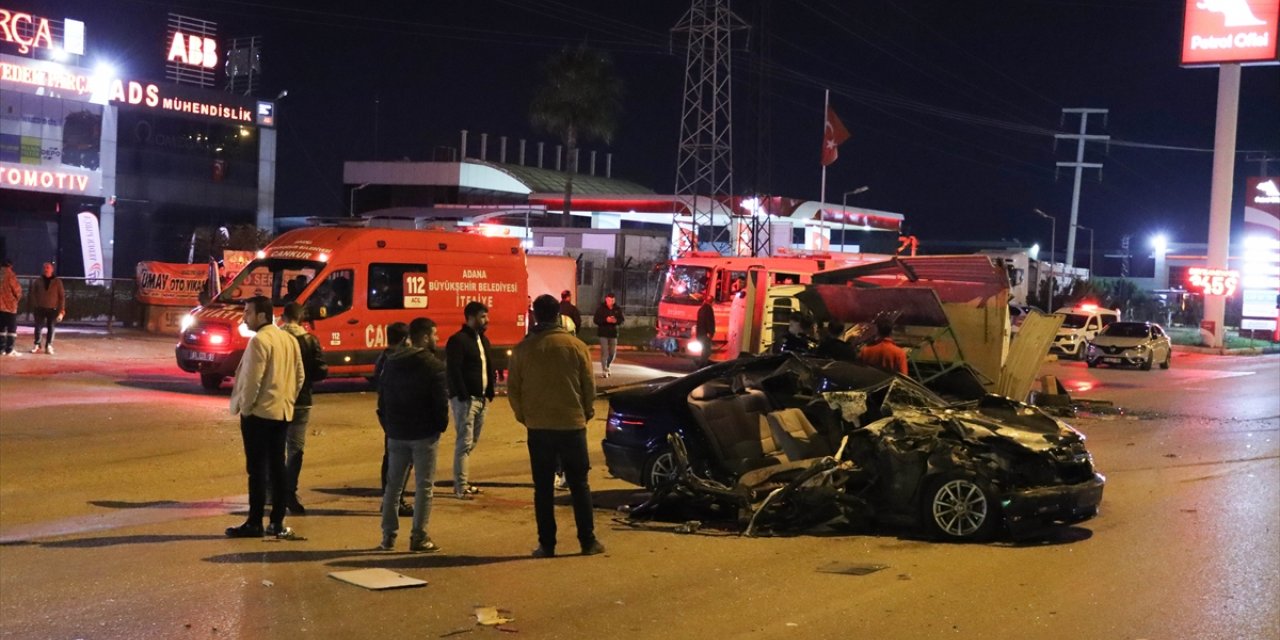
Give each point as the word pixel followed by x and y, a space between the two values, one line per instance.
pixel 353 282
pixel 700 275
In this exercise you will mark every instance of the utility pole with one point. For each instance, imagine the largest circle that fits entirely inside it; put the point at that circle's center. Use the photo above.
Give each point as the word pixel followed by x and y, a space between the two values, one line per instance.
pixel 704 162
pixel 1079 165
pixel 1263 159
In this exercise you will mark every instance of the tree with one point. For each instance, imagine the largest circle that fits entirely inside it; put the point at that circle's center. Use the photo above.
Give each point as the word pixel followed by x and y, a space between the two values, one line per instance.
pixel 579 100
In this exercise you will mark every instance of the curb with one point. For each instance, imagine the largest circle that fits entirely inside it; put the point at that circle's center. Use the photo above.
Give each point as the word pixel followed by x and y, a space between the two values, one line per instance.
pixel 1215 351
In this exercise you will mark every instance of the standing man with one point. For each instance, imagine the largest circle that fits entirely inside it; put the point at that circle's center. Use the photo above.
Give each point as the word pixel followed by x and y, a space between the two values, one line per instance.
pixel 833 345
pixel 397 338
pixel 471 381
pixel 10 294
pixel 414 411
pixel 552 395
pixel 315 370
pixel 705 329
pixel 570 310
pixel 608 318
pixel 883 352
pixel 48 306
pixel 267 383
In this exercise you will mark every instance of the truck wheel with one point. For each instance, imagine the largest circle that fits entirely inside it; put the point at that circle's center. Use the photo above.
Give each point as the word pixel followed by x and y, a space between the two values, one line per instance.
pixel 211 381
pixel 960 507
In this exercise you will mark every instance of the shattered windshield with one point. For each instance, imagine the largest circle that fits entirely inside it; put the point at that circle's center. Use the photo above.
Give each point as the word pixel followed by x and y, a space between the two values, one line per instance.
pixel 904 395
pixel 277 278
pixel 686 285
pixel 1127 330
pixel 1074 321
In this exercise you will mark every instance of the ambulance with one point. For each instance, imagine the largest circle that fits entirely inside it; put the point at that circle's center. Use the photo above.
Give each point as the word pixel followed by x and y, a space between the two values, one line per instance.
pixel 353 282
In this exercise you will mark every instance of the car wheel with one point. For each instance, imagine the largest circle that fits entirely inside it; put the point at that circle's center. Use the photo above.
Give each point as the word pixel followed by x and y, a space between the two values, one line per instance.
pixel 1092 362
pixel 660 469
pixel 1168 357
pixel 211 381
pixel 1146 364
pixel 960 507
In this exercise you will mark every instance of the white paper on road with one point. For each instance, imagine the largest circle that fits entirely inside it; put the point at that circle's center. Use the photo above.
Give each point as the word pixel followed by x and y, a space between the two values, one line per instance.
pixel 492 616
pixel 377 579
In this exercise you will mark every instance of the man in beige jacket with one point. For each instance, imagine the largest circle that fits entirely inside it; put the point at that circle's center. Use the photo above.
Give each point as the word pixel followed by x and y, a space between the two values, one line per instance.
pixel 267 383
pixel 553 395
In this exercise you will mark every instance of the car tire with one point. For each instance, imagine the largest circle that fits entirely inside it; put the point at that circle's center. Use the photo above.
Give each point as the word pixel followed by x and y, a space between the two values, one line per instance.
pixel 211 381
pixel 659 468
pixel 960 507
pixel 1146 364
pixel 1093 363
pixel 1168 357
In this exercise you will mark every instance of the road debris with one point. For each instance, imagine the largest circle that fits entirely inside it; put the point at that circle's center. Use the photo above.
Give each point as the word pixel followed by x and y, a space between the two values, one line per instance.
pixel 377 579
pixel 492 616
pixel 851 568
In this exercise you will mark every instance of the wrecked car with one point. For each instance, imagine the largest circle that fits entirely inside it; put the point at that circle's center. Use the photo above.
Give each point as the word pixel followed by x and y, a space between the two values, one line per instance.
pixel 788 442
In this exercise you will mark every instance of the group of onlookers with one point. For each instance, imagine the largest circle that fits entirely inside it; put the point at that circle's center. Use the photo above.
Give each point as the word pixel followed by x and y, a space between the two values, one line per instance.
pixel 550 387
pixel 47 300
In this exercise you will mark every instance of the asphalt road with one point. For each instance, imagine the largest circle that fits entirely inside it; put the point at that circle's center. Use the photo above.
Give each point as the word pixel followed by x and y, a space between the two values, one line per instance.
pixel 118 475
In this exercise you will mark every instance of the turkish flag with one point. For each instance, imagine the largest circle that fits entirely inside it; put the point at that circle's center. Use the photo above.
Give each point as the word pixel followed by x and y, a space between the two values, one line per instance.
pixel 833 135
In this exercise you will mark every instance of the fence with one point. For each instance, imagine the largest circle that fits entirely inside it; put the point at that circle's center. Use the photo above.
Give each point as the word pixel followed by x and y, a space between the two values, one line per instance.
pixel 637 288
pixel 96 302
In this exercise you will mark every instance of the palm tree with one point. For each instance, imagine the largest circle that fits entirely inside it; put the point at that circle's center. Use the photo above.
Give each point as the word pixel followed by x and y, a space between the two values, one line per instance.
pixel 579 100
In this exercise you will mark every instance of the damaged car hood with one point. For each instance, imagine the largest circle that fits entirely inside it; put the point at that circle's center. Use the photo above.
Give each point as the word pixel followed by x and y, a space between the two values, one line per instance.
pixel 1029 429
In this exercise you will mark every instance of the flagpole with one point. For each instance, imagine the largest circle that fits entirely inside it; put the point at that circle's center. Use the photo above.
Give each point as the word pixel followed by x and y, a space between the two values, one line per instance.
pixel 822 197
pixel 826 107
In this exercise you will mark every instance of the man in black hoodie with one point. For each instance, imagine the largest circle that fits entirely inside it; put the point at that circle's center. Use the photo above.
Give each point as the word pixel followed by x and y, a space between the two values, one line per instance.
pixel 314 366
pixel 472 375
pixel 413 407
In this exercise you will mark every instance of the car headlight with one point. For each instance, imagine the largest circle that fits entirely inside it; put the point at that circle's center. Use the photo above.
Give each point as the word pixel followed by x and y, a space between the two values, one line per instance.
pixel 186 322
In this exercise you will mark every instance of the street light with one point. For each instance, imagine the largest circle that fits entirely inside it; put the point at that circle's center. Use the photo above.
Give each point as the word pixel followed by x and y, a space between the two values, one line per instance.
pixel 1080 226
pixel 351 207
pixel 1053 241
pixel 844 204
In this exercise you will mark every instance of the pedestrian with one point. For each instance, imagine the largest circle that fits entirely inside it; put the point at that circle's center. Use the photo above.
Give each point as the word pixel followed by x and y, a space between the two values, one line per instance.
pixel 608 318
pixel 552 394
pixel 414 410
pixel 48 302
pixel 883 352
pixel 397 338
pixel 705 329
pixel 833 345
pixel 570 311
pixel 315 370
pixel 268 379
pixel 472 375
pixel 10 295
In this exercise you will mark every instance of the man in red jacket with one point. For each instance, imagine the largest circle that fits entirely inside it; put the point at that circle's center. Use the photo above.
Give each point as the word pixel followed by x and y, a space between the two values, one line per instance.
pixel 883 353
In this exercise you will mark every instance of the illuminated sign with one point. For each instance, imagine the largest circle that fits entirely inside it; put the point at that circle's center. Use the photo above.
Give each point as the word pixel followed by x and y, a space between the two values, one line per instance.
pixel 1224 31
pixel 51 77
pixel 34 32
pixel 1213 282
pixel 194 50
pixel 33 179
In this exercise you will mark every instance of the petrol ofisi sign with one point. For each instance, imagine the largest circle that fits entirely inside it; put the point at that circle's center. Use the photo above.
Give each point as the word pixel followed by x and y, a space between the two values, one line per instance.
pixel 1226 31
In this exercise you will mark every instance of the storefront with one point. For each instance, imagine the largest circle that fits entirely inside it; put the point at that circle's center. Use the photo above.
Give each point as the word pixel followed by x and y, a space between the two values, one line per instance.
pixel 100 170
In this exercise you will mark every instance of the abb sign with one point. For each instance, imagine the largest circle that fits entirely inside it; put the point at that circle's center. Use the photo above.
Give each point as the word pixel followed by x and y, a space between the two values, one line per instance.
pixel 1223 31
pixel 197 51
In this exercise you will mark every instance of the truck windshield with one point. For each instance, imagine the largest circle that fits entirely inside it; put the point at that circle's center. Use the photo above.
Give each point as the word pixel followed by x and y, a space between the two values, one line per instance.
pixel 277 278
pixel 686 285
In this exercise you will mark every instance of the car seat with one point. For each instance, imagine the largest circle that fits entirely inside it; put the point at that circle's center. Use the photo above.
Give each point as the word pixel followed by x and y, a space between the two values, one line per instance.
pixel 734 425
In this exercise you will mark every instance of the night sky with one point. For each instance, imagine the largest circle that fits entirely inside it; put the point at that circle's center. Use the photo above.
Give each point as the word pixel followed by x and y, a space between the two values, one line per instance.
pixel 951 105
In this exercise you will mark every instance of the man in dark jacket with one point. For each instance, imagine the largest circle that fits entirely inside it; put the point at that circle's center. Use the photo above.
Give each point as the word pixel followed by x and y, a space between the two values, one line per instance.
pixel 413 409
pixel 472 375
pixel 316 370
pixel 48 305
pixel 552 395
pixel 397 338
pixel 608 318
pixel 704 330
pixel 569 310
pixel 833 345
